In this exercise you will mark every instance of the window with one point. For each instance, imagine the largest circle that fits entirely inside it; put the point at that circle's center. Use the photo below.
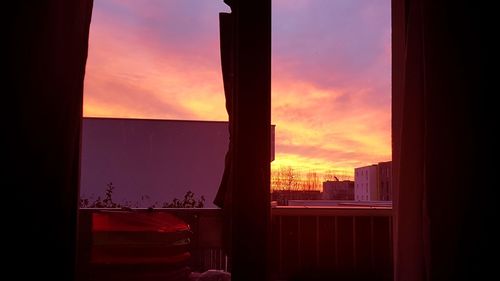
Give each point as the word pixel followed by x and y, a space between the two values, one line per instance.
pixel 154 104
pixel 331 85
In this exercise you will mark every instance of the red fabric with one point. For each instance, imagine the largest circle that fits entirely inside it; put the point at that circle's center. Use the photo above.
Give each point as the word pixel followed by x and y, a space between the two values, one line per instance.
pixel 105 257
pixel 124 237
pixel 137 222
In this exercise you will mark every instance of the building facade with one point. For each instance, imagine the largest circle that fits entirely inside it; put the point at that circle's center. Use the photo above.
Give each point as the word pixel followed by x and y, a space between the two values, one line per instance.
pixel 366 183
pixel 384 181
pixel 152 161
pixel 283 196
pixel 374 182
pixel 338 190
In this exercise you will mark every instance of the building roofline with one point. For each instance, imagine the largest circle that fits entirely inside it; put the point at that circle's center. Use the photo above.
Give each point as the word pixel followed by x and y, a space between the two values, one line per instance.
pixel 155 120
pixel 339 181
pixel 151 119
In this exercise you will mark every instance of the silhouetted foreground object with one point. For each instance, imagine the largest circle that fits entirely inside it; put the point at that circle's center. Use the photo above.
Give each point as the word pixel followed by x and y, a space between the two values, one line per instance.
pixel 139 246
pixel 46 45
pixel 189 201
pixel 223 199
pixel 226 26
pixel 244 192
pixel 437 139
pixel 436 96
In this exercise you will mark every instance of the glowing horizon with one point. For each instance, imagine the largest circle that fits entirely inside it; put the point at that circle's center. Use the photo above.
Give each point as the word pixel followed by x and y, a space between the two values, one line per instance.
pixel 330 73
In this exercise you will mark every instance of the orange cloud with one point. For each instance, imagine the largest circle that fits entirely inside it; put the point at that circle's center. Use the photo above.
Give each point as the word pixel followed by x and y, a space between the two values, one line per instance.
pixel 318 130
pixel 330 100
pixel 129 74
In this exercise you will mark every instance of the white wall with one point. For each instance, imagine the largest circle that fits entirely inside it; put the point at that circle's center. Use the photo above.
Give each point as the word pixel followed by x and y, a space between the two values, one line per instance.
pixel 365 183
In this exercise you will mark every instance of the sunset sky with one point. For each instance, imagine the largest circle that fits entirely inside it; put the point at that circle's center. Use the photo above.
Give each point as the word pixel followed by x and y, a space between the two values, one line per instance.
pixel 330 73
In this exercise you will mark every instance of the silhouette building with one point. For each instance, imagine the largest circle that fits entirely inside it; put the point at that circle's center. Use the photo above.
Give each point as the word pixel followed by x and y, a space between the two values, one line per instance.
pixel 338 190
pixel 384 181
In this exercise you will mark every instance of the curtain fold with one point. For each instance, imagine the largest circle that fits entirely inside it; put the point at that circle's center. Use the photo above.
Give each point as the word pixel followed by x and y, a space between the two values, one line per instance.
pixel 223 198
pixel 408 135
pixel 47 44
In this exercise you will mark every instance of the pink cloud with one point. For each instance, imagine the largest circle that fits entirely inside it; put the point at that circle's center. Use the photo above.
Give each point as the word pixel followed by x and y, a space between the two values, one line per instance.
pixel 331 73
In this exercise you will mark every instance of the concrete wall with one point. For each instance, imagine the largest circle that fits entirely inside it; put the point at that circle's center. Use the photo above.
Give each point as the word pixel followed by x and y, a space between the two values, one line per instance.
pixel 152 160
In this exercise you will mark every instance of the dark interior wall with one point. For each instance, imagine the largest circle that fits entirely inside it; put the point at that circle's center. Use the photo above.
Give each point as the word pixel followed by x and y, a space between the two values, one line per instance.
pixel 47 50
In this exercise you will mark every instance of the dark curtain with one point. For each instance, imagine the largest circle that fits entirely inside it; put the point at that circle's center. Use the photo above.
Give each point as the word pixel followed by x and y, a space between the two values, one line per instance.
pixel 223 199
pixel 439 230
pixel 46 53
pixel 244 191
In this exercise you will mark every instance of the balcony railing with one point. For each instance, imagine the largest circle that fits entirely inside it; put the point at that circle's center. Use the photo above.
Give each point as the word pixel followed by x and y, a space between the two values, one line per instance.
pixel 332 243
pixel 306 242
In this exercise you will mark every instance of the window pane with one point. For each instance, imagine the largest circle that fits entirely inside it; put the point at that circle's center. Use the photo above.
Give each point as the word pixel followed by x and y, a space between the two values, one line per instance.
pixel 331 90
pixel 151 66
